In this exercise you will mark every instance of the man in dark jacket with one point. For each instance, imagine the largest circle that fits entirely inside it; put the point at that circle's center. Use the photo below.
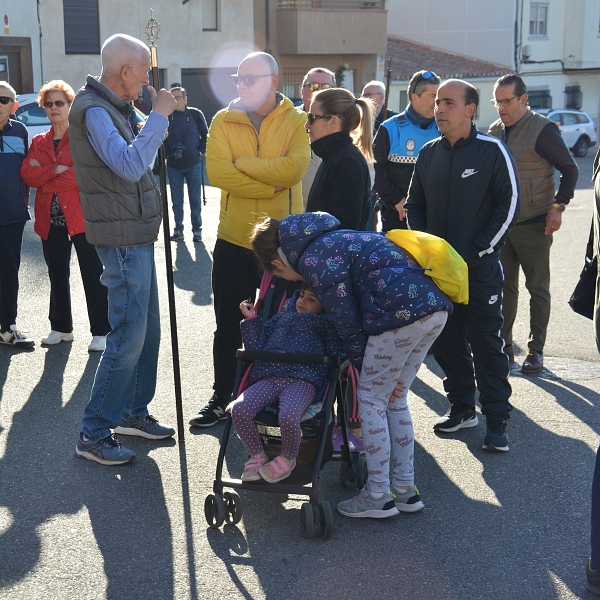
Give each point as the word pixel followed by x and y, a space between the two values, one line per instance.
pixel 122 210
pixel 397 145
pixel 464 189
pixel 538 149
pixel 14 213
pixel 185 146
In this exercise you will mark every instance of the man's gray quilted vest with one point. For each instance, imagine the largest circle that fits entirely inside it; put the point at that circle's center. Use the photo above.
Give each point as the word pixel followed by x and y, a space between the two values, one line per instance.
pixel 117 212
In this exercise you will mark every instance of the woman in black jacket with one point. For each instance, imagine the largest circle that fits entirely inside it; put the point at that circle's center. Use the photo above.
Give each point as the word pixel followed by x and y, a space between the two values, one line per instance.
pixel 340 128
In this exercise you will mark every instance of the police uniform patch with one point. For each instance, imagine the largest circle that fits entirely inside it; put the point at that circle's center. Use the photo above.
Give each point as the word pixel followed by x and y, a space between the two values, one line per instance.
pixel 410 144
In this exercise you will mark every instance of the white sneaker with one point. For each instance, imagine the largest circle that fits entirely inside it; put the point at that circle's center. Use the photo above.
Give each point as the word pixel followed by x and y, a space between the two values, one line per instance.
pixel 98 344
pixel 13 337
pixel 54 337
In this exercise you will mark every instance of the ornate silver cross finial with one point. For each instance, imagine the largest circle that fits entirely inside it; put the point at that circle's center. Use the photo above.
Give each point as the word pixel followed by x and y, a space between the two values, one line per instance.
pixel 152 29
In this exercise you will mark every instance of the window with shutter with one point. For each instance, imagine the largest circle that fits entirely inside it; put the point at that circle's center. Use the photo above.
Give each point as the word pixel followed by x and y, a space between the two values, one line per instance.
pixel 82 27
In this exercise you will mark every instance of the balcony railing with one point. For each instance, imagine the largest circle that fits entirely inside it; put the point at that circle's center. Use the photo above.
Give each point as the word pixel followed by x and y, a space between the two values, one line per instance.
pixel 329 4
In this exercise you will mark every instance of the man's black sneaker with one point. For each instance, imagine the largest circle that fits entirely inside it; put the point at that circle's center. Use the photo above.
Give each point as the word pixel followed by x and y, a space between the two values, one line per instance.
pixel 458 417
pixel 212 413
pixel 593 579
pixel 496 437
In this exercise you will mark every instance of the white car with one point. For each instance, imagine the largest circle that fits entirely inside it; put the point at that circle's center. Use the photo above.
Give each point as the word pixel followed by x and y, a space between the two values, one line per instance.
pixel 577 128
pixel 31 115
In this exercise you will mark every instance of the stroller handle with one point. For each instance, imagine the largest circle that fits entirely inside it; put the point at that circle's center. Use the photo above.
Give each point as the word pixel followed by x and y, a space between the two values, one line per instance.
pixel 302 358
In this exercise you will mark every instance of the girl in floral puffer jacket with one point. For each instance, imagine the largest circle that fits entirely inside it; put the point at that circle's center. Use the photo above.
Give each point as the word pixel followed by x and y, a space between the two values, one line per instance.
pixel 388 313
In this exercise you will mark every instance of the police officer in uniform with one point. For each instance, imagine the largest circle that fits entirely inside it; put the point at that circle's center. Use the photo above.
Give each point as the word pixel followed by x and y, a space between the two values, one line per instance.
pixel 397 145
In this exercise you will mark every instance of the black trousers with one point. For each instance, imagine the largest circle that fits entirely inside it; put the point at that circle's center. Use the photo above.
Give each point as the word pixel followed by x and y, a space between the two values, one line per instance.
pixel 390 219
pixel 236 276
pixel 57 252
pixel 11 239
pixel 470 347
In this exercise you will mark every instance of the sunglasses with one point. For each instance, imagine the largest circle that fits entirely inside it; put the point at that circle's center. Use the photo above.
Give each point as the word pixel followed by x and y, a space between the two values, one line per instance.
pixel 5 99
pixel 429 75
pixel 314 86
pixel 248 80
pixel 58 103
pixel 312 118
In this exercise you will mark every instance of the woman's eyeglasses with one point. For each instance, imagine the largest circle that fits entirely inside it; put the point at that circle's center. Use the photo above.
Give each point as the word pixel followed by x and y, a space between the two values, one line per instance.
pixel 58 103
pixel 312 118
pixel 248 80
pixel 314 86
pixel 5 99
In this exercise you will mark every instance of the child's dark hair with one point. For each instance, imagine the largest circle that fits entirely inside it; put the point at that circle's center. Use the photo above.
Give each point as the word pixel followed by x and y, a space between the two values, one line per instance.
pixel 305 287
pixel 265 242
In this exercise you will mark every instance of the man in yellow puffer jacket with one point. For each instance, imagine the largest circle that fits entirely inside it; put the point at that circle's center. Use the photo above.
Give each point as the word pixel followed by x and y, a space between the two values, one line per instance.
pixel 257 153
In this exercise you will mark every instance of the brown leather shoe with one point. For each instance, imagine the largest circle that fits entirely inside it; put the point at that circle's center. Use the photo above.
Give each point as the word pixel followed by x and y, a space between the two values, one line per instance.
pixel 533 363
pixel 510 352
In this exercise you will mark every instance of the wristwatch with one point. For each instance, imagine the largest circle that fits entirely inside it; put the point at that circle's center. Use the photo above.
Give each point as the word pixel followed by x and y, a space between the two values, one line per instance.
pixel 560 206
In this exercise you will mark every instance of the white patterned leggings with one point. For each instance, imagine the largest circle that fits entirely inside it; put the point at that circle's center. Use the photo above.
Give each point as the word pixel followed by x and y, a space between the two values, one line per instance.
pixel 392 357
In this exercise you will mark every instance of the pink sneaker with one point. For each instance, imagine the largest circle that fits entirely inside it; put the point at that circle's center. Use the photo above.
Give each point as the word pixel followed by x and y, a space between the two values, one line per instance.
pixel 276 470
pixel 251 468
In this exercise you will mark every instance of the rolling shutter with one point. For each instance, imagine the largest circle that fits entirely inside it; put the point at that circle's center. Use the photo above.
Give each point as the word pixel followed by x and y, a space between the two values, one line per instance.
pixel 82 28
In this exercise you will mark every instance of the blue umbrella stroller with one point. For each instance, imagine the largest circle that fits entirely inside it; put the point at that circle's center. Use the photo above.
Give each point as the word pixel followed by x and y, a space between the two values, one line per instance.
pixel 316 448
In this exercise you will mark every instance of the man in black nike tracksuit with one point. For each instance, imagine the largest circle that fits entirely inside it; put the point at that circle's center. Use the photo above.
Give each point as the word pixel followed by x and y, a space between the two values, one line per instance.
pixel 465 189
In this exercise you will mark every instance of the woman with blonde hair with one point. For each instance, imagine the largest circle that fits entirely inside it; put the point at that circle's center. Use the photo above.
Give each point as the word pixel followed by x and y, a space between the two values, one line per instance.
pixel 340 128
pixel 59 221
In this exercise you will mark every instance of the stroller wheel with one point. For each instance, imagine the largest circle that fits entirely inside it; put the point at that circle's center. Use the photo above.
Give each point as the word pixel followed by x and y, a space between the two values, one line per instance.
pixel 362 473
pixel 214 510
pixel 307 521
pixel 343 474
pixel 326 519
pixel 233 508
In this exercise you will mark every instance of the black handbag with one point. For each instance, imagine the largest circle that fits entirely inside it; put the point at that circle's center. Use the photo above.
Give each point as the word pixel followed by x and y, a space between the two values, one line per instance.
pixel 583 296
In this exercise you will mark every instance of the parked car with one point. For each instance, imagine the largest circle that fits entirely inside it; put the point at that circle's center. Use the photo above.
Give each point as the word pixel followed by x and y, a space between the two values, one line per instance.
pixel 35 119
pixel 577 128
pixel 31 115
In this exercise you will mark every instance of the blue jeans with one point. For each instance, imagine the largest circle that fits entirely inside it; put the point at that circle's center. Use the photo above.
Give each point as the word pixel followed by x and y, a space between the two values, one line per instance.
pixel 125 381
pixel 193 177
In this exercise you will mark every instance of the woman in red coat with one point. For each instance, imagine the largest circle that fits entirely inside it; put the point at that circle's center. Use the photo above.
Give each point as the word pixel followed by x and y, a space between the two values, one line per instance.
pixel 59 221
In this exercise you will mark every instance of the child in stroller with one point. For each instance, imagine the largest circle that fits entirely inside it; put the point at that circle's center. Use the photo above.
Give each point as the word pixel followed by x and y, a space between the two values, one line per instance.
pixel 302 328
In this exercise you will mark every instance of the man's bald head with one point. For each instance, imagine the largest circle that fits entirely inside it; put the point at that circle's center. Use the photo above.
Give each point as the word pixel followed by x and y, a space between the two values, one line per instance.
pixel 261 59
pixel 125 66
pixel 120 50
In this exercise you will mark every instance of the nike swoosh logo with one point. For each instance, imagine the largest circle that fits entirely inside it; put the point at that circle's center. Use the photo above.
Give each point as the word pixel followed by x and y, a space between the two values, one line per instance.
pixel 468 173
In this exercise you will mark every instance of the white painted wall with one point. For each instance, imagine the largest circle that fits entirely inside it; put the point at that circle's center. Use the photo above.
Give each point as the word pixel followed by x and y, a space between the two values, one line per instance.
pixel 182 42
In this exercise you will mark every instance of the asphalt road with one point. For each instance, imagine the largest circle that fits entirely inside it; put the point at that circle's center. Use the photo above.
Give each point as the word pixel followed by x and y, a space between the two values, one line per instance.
pixel 502 527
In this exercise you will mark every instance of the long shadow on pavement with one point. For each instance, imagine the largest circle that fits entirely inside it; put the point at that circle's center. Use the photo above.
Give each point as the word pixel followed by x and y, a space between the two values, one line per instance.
pixel 41 479
pixel 501 526
pixel 188 272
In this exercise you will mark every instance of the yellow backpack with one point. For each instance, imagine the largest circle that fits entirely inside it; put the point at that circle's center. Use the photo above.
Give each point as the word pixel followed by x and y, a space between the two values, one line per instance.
pixel 439 259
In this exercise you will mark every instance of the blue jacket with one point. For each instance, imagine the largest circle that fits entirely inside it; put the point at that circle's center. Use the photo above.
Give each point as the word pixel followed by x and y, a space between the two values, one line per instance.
pixel 14 194
pixel 292 332
pixel 366 284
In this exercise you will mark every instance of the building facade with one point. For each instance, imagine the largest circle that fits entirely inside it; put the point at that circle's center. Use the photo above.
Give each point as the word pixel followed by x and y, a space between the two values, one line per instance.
pixel 347 37
pixel 201 41
pixel 553 44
